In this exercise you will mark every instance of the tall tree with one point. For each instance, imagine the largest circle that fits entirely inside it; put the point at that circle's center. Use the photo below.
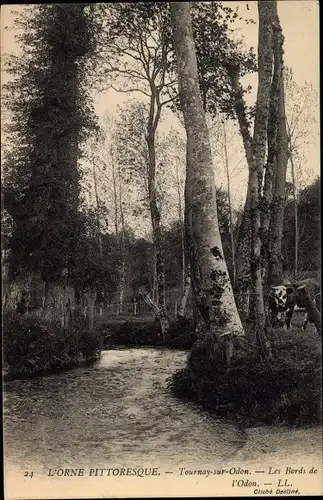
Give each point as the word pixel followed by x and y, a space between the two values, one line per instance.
pixel 266 154
pixel 301 121
pixel 210 279
pixel 51 114
pixel 265 63
pixel 139 51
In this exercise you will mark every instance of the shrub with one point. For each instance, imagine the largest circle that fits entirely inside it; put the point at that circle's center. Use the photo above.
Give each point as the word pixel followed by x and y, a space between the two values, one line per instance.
pixel 286 390
pixel 32 344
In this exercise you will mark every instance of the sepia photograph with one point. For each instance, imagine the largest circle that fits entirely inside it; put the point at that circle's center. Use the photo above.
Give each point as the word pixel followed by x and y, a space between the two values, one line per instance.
pixel 161 249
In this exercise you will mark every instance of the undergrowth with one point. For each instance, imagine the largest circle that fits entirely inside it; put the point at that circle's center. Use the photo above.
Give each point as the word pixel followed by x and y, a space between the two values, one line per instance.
pixel 33 345
pixel 284 390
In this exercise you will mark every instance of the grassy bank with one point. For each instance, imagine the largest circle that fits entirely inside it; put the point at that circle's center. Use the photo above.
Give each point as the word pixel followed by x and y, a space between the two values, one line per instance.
pixel 286 390
pixel 34 346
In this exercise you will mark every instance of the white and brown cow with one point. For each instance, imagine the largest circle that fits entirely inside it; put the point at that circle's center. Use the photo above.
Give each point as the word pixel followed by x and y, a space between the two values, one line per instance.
pixel 283 299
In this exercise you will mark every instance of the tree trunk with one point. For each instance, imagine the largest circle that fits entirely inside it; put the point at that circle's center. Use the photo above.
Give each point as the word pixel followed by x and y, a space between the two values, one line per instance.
pixel 49 308
pixel 210 279
pixel 157 235
pixel 242 279
pixel 180 219
pixel 295 213
pixel 275 268
pixel 265 61
pixel 154 287
pixel 277 218
pixel 230 207
pixel 91 299
pixel 267 205
pixel 122 282
pixel 97 206
pixel 186 270
pixel 162 320
pixel 186 290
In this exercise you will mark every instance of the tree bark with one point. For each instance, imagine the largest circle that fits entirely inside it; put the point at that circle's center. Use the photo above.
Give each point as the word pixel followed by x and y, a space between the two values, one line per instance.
pixel 230 207
pixel 265 62
pixel 242 281
pixel 275 267
pixel 91 299
pixel 180 219
pixel 186 290
pixel 295 211
pixel 97 206
pixel 267 205
pixel 122 283
pixel 277 218
pixel 210 279
pixel 186 269
pixel 157 235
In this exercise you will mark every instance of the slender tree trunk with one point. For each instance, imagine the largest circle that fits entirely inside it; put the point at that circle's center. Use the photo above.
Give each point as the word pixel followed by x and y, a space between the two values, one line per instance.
pixel 91 299
pixel 295 206
pixel 97 206
pixel 122 283
pixel 182 229
pixel 99 235
pixel 154 288
pixel 210 278
pixel 49 301
pixel 267 205
pixel 230 207
pixel 242 279
pixel 265 62
pixel 157 235
pixel 186 288
pixel 120 234
pixel 275 268
pixel 115 201
pixel 243 276
pixel 277 218
pixel 186 271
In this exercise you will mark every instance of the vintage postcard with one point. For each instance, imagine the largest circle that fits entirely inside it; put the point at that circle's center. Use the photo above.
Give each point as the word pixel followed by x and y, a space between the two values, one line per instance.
pixel 161 246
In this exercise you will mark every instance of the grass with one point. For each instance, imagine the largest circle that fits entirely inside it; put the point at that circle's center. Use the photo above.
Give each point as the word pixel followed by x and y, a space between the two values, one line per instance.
pixel 286 390
pixel 33 345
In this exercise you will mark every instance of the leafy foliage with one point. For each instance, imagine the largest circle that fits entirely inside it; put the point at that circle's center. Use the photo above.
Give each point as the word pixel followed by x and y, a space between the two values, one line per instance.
pixel 32 345
pixel 50 115
pixel 136 46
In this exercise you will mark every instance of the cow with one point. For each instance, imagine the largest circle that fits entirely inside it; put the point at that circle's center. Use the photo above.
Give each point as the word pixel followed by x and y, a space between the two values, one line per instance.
pixel 283 299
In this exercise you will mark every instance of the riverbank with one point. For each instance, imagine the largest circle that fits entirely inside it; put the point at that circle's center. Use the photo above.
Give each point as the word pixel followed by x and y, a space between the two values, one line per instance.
pixel 145 332
pixel 252 391
pixel 35 346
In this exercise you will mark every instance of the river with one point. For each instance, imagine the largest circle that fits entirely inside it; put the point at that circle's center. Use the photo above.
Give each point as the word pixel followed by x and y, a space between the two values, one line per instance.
pixel 118 412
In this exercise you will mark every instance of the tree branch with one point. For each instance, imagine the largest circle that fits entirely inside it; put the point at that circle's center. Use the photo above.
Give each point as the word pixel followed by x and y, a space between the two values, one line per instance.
pixel 128 90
